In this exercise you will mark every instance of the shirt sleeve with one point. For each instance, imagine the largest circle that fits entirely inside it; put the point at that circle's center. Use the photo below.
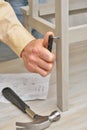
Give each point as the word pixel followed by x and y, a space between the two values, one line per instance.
pixel 12 31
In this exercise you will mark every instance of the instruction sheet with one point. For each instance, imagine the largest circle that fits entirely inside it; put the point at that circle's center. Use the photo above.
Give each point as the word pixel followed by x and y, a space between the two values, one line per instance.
pixel 28 86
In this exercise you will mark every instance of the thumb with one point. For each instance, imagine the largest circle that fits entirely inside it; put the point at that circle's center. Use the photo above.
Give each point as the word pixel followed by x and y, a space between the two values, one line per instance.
pixel 46 37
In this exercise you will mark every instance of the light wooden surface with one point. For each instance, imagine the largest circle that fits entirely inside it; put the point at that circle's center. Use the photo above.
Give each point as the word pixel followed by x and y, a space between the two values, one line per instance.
pixel 73 119
pixel 12 66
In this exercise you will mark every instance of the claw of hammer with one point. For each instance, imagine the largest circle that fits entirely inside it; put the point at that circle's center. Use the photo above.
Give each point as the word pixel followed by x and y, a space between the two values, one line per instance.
pixel 40 122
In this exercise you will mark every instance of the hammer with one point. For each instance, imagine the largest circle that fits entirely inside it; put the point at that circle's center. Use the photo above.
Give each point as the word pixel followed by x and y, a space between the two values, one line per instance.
pixel 39 122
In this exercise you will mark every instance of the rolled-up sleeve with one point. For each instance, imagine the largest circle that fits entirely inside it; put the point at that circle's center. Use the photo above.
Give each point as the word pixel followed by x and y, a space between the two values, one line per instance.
pixel 12 31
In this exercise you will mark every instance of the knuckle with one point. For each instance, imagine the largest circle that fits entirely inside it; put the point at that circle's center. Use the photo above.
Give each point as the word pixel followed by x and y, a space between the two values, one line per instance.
pixel 31 58
pixel 44 74
pixel 31 67
pixel 52 58
pixel 50 66
pixel 35 50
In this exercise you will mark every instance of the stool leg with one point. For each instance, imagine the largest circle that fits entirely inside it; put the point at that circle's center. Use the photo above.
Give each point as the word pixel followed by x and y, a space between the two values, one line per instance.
pixel 62 51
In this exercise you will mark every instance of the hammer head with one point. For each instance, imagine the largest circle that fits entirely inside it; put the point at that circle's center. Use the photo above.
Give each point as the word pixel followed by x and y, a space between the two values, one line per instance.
pixel 40 122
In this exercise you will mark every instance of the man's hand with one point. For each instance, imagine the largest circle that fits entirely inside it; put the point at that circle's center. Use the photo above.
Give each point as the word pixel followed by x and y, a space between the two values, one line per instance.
pixel 37 58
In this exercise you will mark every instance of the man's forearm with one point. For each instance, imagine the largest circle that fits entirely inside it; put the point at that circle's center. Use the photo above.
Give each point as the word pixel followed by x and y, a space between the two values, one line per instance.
pixel 12 31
